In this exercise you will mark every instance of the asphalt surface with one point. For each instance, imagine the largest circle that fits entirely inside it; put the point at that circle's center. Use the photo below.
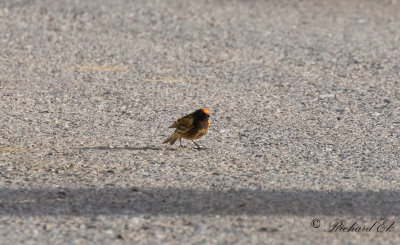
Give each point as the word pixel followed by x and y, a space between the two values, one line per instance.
pixel 305 104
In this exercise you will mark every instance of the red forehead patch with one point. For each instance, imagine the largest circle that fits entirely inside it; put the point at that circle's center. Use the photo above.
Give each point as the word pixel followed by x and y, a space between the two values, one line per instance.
pixel 206 111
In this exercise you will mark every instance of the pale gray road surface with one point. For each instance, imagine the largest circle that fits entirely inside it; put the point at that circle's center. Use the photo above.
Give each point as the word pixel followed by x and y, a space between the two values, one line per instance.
pixel 305 102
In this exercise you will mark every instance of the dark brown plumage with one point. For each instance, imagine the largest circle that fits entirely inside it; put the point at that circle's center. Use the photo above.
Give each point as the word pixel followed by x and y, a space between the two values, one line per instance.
pixel 190 127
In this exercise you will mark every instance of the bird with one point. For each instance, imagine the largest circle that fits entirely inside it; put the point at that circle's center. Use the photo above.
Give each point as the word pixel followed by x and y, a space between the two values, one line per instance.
pixel 190 127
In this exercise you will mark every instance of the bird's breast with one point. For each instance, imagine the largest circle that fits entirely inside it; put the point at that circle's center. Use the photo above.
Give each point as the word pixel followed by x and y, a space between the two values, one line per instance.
pixel 204 125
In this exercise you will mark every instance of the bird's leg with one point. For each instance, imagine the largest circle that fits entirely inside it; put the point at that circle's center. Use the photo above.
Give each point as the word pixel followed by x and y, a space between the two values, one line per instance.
pixel 180 142
pixel 198 147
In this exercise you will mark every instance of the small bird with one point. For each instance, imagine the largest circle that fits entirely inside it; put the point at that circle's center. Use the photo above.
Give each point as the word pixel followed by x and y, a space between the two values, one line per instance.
pixel 191 127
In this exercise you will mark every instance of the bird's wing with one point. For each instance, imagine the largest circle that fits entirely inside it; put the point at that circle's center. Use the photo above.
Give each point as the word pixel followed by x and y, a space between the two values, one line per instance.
pixel 183 123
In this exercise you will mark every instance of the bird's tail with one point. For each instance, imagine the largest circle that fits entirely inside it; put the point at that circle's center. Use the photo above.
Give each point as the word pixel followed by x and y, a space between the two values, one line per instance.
pixel 172 139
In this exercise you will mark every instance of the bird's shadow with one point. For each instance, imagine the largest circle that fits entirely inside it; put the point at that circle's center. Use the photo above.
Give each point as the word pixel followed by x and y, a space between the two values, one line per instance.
pixel 130 148
pixel 127 148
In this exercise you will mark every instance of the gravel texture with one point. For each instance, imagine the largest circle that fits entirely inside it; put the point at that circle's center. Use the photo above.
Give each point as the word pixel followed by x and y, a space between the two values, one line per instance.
pixel 305 103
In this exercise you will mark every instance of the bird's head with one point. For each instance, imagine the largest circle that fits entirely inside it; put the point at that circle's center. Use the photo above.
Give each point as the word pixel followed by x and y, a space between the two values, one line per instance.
pixel 203 113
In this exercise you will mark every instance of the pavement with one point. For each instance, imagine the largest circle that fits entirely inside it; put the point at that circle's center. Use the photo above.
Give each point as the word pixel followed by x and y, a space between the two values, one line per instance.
pixel 305 113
